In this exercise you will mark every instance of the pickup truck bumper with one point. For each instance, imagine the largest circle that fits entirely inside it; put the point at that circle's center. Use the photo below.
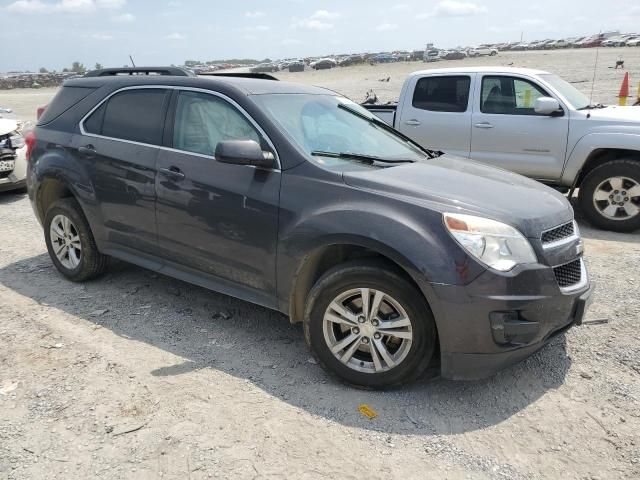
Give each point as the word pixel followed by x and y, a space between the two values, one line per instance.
pixel 482 332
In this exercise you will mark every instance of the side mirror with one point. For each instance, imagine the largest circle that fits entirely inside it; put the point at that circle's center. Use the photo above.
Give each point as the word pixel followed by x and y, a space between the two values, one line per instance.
pixel 547 106
pixel 244 152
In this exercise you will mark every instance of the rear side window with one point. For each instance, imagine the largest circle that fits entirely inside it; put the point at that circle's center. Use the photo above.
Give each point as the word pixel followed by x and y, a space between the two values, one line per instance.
pixel 442 94
pixel 66 98
pixel 135 115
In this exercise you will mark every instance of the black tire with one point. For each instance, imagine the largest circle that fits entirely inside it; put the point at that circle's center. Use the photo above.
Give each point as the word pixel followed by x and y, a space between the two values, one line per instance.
pixel 376 275
pixel 92 262
pixel 615 168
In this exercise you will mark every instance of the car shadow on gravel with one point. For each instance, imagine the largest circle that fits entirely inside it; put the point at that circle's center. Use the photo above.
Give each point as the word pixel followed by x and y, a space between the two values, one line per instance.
pixel 9 197
pixel 214 331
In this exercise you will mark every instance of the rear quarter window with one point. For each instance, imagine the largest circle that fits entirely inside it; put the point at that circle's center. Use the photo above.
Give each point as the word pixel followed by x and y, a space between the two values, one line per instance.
pixel 135 115
pixel 442 93
pixel 66 98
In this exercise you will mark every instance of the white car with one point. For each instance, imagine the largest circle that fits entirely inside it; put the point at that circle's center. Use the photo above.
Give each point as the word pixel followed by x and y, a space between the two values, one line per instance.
pixel 482 51
pixel 634 42
pixel 13 156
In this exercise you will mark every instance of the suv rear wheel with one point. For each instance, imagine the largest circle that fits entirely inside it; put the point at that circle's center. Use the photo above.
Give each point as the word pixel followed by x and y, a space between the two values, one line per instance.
pixel 70 242
pixel 610 196
pixel 369 326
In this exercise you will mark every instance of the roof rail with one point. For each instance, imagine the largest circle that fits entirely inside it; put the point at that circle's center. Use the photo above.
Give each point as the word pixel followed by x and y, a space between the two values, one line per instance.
pixel 112 72
pixel 258 76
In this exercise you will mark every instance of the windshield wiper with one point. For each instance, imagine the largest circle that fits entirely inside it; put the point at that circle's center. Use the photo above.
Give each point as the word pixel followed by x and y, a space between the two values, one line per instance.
pixel 371 159
pixel 376 121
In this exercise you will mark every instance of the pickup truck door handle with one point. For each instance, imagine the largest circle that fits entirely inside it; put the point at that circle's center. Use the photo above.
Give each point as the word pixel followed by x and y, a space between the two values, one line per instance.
pixel 87 150
pixel 413 123
pixel 483 125
pixel 172 172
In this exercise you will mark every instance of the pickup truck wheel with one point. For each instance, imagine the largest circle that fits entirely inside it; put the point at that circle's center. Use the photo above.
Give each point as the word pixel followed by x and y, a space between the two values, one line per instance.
pixel 610 196
pixel 70 242
pixel 369 326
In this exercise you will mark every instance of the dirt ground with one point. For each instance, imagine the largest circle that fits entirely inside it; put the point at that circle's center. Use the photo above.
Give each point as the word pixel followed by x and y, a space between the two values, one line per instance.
pixel 136 375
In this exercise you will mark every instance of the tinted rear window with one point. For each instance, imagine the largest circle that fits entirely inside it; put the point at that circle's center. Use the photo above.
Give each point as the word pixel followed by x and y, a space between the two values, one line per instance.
pixel 442 94
pixel 136 115
pixel 66 98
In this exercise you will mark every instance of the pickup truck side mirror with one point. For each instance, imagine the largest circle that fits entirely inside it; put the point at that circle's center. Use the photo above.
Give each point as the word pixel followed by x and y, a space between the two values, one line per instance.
pixel 244 152
pixel 547 106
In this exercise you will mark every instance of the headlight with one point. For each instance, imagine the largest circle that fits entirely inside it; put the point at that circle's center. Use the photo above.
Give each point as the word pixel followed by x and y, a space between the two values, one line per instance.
pixel 495 244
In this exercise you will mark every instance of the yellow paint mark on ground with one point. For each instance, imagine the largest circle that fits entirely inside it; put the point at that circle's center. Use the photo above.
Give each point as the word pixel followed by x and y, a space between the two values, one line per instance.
pixel 367 411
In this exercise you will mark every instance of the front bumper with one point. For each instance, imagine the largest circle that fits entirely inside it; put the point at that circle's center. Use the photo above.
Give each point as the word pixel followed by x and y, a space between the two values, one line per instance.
pixel 482 332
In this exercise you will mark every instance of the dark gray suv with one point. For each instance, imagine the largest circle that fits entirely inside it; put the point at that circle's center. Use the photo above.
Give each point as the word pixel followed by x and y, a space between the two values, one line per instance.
pixel 393 257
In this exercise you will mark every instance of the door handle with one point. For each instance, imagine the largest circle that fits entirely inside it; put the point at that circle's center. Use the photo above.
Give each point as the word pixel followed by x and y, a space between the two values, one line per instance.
pixel 87 150
pixel 413 123
pixel 172 172
pixel 483 125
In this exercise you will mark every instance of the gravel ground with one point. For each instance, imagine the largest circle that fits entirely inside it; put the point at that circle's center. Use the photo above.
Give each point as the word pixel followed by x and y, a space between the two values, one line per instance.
pixel 137 375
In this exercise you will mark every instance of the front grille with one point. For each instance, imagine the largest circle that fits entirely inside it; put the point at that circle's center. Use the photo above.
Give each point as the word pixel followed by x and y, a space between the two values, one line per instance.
pixel 558 233
pixel 568 274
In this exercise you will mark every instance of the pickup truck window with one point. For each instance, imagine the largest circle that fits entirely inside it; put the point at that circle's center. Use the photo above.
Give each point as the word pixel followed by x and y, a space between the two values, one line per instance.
pixel 509 95
pixel 203 120
pixel 135 115
pixel 316 123
pixel 442 94
pixel 575 97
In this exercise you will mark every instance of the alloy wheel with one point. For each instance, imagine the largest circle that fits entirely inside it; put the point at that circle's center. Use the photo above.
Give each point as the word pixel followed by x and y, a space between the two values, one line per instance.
pixel 617 198
pixel 65 240
pixel 367 330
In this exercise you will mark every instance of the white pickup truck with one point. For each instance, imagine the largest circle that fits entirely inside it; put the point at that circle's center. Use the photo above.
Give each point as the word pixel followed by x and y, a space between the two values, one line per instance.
pixel 531 122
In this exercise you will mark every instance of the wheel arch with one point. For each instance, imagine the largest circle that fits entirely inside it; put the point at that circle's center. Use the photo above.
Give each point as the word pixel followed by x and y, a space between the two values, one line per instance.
pixel 600 156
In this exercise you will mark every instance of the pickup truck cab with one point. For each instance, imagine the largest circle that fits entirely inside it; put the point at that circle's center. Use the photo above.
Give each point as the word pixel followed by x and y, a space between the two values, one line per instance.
pixel 531 122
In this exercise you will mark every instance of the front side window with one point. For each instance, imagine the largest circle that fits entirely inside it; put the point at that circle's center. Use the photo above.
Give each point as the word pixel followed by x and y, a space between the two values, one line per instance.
pixel 136 115
pixel 509 96
pixel 203 120
pixel 442 94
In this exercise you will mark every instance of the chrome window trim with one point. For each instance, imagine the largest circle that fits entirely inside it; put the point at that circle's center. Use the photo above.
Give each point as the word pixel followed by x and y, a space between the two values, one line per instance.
pixel 563 241
pixel 170 149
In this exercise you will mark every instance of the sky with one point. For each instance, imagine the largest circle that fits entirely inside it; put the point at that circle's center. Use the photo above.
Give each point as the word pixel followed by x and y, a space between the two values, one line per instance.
pixel 55 33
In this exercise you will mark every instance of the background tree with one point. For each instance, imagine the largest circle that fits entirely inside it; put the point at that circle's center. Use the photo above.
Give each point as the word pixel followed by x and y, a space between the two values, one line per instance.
pixel 43 70
pixel 77 67
pixel 98 66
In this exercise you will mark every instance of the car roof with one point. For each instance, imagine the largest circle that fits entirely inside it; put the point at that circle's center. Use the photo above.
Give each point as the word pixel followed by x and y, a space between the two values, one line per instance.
pixel 525 71
pixel 247 86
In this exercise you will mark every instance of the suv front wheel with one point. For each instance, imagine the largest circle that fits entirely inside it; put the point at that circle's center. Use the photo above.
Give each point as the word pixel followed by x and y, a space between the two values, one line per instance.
pixel 70 242
pixel 369 326
pixel 610 196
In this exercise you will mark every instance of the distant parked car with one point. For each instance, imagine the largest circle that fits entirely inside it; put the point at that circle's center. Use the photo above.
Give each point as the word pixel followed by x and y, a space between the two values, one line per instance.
pixel 324 64
pixel 350 60
pixel 417 55
pixel 296 66
pixel 482 51
pixel 454 55
pixel 384 58
pixel 432 55
pixel 559 44
pixel 264 68
pixel 634 42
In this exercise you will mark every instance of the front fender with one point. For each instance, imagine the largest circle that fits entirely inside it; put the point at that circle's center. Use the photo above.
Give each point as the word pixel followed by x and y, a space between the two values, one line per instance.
pixel 587 144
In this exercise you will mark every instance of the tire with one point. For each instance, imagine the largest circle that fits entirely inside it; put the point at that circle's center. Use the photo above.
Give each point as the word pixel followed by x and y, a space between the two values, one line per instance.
pixel 595 191
pixel 413 354
pixel 80 264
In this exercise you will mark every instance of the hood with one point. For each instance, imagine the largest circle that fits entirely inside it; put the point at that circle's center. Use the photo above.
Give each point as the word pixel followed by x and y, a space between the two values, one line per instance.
pixel 7 126
pixel 453 184
pixel 612 118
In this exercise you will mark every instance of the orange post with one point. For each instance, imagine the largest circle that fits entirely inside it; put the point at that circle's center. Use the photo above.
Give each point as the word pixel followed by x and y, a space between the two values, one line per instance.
pixel 624 90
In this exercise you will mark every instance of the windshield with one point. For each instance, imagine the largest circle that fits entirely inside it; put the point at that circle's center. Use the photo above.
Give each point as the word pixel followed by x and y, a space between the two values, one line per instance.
pixel 317 124
pixel 575 97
